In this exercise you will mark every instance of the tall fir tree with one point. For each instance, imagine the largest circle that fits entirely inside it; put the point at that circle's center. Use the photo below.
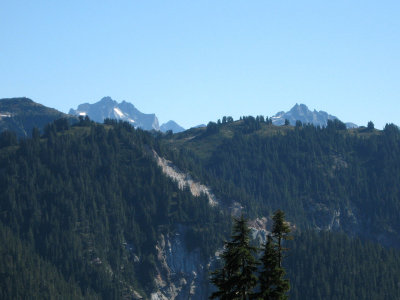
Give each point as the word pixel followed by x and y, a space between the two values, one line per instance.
pixel 273 284
pixel 269 271
pixel 280 231
pixel 236 279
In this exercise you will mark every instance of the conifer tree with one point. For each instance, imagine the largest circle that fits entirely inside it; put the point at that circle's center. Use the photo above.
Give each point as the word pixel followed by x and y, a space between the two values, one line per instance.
pixel 280 231
pixel 269 271
pixel 273 285
pixel 236 279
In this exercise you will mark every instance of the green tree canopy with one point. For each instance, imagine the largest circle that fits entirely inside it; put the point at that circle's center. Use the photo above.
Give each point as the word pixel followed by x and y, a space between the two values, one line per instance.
pixel 236 279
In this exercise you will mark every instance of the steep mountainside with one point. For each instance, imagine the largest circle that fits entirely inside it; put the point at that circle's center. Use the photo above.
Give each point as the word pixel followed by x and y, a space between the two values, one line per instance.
pixel 112 212
pixel 93 205
pixel 21 115
pixel 323 178
pixel 111 109
pixel 306 116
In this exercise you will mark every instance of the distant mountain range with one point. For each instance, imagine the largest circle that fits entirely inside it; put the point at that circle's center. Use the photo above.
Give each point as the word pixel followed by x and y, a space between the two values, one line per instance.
pixel 100 211
pixel 199 126
pixel 109 108
pixel 173 126
pixel 302 113
pixel 21 115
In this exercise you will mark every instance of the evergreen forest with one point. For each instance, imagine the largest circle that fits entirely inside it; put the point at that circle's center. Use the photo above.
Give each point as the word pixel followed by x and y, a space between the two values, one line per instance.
pixel 84 202
pixel 82 206
pixel 329 178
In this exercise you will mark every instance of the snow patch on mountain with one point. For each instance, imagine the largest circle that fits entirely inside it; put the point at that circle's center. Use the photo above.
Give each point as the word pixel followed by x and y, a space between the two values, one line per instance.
pixel 5 115
pixel 125 111
pixel 119 112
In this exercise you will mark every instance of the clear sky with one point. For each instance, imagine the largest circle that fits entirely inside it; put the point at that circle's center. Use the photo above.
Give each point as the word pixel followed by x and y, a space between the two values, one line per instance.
pixel 195 61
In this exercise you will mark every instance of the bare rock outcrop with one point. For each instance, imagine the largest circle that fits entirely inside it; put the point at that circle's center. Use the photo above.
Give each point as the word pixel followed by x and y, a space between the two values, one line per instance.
pixel 184 179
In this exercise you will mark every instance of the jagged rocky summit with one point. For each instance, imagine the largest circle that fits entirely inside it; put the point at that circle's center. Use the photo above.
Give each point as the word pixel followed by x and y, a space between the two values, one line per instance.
pixel 125 111
pixel 109 108
pixel 302 113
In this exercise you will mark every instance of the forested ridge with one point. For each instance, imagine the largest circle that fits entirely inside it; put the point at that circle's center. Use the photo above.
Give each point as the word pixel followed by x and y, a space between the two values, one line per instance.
pixel 82 206
pixel 90 203
pixel 21 115
pixel 323 178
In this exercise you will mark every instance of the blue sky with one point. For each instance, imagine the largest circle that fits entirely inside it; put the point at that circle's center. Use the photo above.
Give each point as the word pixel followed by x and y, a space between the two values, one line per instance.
pixel 195 61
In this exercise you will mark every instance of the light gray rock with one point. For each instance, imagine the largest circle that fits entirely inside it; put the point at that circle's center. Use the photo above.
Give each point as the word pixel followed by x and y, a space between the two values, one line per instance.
pixel 182 274
pixel 300 112
pixel 125 111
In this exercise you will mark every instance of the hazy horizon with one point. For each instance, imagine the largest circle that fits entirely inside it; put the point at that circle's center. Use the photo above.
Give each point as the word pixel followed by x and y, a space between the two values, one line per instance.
pixel 206 121
pixel 196 62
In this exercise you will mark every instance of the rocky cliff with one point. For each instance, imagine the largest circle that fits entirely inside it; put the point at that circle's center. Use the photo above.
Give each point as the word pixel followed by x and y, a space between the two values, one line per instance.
pixel 183 274
pixel 125 111
pixel 300 112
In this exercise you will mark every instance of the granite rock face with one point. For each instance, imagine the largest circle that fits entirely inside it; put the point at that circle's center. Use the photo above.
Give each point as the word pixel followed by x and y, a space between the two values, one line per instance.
pixel 182 274
pixel 125 111
pixel 300 112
